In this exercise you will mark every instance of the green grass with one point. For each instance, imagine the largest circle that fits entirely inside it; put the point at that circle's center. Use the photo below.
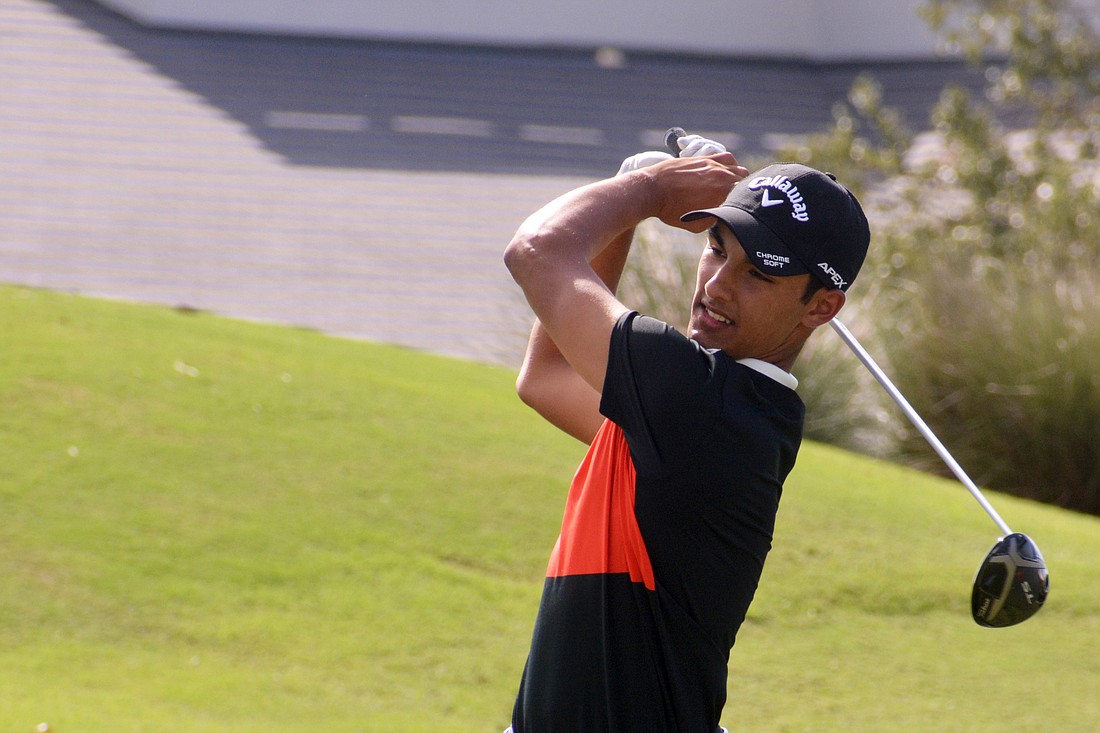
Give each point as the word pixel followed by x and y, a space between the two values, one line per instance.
pixel 210 525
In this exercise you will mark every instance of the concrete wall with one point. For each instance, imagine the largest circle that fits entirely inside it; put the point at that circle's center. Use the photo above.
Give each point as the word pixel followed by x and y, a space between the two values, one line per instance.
pixel 816 29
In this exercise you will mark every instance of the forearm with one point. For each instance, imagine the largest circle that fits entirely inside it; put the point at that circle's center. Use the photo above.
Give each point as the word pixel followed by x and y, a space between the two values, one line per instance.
pixel 561 238
pixel 593 224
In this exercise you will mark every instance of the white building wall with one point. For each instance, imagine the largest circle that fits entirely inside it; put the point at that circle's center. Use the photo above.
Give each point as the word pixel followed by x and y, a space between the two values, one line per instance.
pixel 816 29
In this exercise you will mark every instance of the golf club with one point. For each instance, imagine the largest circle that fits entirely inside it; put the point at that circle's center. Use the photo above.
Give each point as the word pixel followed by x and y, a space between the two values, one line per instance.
pixel 674 134
pixel 1012 582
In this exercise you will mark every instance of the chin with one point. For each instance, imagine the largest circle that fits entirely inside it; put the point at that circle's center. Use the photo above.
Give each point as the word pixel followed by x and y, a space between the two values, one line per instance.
pixel 700 337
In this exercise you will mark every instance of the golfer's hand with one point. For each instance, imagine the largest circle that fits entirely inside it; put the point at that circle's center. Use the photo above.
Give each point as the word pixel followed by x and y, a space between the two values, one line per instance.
pixel 680 185
pixel 695 146
pixel 691 146
pixel 642 160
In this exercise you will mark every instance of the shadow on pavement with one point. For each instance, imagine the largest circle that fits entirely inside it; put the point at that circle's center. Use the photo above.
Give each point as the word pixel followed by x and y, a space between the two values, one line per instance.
pixel 424 107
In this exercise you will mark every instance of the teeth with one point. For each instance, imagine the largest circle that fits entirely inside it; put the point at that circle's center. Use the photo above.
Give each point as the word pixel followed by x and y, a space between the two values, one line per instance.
pixel 717 316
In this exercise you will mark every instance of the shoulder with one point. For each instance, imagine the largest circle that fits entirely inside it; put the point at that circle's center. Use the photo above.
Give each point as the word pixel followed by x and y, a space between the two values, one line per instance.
pixel 653 345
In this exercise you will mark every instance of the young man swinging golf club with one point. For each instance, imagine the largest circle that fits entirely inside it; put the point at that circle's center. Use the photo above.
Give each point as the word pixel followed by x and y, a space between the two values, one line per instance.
pixel 670 515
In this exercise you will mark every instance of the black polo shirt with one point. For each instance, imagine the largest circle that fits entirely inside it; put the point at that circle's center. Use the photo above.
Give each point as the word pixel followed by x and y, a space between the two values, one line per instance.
pixel 666 527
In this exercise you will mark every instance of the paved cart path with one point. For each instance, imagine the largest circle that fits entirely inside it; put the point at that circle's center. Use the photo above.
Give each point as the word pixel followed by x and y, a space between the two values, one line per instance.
pixel 362 189
pixel 118 182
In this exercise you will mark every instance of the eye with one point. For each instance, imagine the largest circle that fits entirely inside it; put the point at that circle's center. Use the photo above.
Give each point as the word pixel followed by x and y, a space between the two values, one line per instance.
pixel 716 249
pixel 760 276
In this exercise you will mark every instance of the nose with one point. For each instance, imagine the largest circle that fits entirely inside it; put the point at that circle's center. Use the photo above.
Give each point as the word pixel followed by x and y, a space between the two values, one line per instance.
pixel 719 285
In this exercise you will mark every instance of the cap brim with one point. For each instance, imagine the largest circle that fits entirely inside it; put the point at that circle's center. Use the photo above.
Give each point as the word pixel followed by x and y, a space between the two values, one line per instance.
pixel 765 250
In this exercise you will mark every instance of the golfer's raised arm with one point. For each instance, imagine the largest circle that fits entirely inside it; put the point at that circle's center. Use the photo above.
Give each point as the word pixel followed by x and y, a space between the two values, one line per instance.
pixel 549 257
pixel 546 381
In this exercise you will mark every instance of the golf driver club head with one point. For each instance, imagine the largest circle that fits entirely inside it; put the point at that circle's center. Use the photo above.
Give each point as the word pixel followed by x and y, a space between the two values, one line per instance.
pixel 1011 584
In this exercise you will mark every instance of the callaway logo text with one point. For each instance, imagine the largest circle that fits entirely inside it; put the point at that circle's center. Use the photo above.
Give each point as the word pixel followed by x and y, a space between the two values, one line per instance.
pixel 783 185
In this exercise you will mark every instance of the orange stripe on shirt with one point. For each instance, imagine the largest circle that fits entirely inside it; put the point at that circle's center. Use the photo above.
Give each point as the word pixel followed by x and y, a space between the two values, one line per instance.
pixel 599 532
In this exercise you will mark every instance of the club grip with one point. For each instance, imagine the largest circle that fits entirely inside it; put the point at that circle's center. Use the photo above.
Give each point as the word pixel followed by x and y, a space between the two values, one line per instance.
pixel 674 134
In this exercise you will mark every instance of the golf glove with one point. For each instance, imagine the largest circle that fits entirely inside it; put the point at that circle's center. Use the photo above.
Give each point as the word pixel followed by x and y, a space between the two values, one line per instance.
pixel 691 146
pixel 642 160
pixel 694 146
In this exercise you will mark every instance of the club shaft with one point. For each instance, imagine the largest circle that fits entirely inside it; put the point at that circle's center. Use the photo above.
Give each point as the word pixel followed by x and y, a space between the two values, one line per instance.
pixel 926 431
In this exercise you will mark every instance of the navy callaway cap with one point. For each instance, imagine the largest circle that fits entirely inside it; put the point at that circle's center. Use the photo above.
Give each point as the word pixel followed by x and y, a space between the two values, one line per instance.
pixel 792 220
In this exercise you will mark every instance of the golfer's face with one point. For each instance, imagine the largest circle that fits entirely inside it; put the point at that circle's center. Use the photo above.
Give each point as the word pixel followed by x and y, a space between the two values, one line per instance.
pixel 740 309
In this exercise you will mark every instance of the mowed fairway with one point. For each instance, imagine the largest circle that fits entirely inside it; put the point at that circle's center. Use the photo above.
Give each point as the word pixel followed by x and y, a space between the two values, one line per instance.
pixel 212 525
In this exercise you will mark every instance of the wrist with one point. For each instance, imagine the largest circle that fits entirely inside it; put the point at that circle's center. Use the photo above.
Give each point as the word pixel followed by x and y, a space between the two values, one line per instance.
pixel 643 192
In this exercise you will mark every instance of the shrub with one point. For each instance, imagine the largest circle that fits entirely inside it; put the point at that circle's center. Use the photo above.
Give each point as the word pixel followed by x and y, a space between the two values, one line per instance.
pixel 986 254
pixel 979 295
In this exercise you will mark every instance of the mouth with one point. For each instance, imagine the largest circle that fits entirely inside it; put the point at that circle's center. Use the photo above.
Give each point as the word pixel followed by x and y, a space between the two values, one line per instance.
pixel 716 316
pixel 707 323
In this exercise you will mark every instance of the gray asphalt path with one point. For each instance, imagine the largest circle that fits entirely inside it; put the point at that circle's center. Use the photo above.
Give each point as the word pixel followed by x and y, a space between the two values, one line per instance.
pixel 119 182
pixel 362 189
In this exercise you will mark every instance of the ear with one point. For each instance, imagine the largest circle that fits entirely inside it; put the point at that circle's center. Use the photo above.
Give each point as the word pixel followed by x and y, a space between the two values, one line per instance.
pixel 821 309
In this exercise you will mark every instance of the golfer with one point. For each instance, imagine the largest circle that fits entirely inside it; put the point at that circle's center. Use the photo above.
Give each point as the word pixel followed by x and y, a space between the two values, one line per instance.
pixel 670 515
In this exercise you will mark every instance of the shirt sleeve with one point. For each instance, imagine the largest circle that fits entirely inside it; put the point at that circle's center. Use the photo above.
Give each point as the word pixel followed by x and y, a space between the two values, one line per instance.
pixel 661 388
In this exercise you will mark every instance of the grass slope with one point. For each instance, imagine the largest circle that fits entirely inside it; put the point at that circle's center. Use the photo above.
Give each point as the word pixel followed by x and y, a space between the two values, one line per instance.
pixel 210 525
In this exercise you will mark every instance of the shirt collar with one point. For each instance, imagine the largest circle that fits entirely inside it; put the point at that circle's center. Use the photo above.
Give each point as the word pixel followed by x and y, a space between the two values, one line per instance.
pixel 771 370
